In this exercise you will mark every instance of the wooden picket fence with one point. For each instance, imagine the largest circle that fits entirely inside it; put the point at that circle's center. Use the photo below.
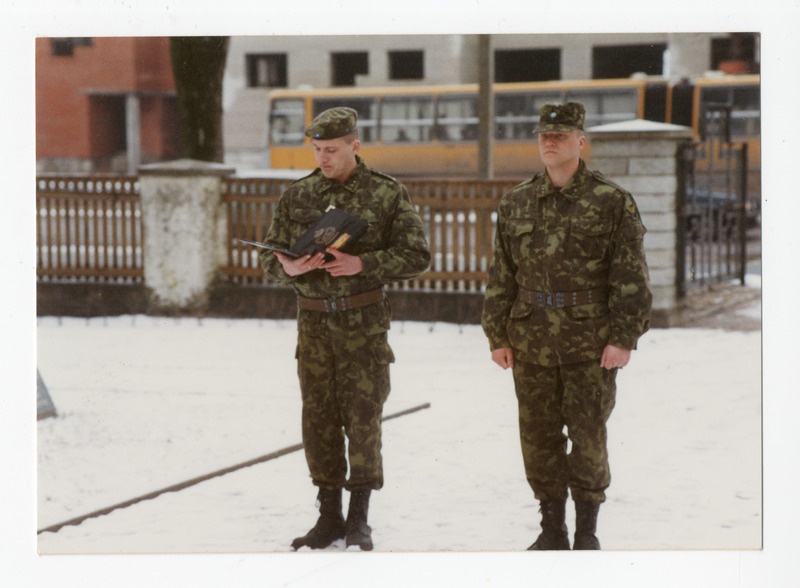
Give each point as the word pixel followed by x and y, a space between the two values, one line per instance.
pixel 90 229
pixel 458 218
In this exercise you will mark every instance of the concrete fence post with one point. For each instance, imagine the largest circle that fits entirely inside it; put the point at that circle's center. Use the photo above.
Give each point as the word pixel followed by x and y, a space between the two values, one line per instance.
pixel 184 226
pixel 642 156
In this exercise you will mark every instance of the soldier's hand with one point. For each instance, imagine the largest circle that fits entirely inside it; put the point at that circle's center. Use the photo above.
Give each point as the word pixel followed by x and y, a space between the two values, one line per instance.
pixel 615 357
pixel 300 265
pixel 343 264
pixel 504 357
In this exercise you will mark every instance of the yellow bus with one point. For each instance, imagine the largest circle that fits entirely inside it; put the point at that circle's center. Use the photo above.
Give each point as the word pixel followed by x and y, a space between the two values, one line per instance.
pixel 426 131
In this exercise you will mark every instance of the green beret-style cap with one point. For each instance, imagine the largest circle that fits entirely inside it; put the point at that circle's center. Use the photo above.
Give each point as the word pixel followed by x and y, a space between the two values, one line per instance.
pixel 561 117
pixel 333 123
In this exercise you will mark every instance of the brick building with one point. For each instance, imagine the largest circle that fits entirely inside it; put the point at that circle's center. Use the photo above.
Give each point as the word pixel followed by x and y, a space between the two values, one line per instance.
pixel 104 104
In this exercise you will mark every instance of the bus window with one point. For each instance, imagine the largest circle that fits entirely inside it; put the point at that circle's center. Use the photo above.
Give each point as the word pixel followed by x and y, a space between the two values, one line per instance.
pixel 286 122
pixel 745 103
pixel 517 114
pixel 367 109
pixel 456 118
pixel 746 112
pixel 608 105
pixel 406 119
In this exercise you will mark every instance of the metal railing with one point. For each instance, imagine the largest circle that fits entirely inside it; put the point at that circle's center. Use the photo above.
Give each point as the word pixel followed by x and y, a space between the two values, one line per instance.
pixel 714 211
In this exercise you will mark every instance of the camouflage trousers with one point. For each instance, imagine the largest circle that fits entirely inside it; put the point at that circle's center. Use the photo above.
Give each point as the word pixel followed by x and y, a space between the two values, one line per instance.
pixel 580 398
pixel 344 382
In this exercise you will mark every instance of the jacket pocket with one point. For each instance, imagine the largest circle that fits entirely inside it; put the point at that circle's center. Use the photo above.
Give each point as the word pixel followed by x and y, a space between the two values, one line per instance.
pixel 518 227
pixel 382 352
pixel 587 311
pixel 589 324
pixel 304 216
pixel 520 238
pixel 520 309
pixel 589 237
pixel 379 223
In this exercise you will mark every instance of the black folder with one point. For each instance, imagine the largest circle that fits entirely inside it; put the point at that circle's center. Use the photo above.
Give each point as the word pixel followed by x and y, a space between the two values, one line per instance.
pixel 336 229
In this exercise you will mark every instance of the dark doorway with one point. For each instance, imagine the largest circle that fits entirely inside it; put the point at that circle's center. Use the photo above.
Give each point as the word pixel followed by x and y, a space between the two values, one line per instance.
pixel 108 133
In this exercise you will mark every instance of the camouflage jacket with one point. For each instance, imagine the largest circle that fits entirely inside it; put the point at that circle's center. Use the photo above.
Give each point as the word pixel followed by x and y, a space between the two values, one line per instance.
pixel 584 236
pixel 393 248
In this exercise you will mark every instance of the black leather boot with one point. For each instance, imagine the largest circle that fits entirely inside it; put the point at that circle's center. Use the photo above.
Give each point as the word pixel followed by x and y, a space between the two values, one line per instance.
pixel 359 533
pixel 554 534
pixel 330 525
pixel 586 525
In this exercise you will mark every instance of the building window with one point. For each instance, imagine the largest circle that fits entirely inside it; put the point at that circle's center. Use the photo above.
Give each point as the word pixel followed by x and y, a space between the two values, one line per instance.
pixel 735 54
pixel 527 65
pixel 620 61
pixel 346 66
pixel 64 46
pixel 406 65
pixel 266 70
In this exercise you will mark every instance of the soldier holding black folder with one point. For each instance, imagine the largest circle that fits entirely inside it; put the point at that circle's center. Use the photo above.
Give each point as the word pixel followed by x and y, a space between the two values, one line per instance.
pixel 343 317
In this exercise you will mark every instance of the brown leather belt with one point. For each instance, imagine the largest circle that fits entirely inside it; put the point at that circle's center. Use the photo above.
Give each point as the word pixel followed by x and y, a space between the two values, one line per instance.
pixel 563 299
pixel 340 304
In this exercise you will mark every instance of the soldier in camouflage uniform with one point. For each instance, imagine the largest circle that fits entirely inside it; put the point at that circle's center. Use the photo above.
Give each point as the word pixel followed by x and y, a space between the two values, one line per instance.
pixel 343 317
pixel 567 298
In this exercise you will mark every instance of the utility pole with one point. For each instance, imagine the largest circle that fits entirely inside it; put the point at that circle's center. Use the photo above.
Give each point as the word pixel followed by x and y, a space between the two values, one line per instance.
pixel 133 132
pixel 485 108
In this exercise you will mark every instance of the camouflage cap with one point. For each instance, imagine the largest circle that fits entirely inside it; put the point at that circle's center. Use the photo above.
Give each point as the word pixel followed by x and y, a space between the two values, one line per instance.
pixel 561 117
pixel 333 123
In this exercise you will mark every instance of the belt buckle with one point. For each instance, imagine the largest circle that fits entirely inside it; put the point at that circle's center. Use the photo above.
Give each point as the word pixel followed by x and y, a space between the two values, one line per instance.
pixel 549 299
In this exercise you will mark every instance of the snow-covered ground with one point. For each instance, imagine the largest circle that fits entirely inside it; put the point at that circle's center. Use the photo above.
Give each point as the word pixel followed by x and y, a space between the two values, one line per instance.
pixel 145 403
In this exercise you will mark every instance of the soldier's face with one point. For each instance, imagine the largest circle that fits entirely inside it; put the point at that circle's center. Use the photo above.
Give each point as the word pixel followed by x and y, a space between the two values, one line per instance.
pixel 336 157
pixel 560 148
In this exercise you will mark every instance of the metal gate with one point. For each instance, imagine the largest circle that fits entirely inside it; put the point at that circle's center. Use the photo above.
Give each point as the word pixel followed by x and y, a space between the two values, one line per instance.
pixel 712 211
